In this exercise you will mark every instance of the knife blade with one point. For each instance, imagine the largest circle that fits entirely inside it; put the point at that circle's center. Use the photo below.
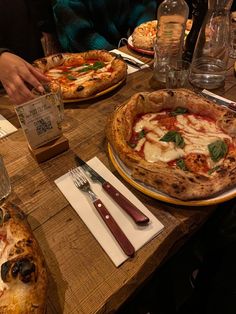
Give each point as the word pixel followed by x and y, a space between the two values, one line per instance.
pixel 230 104
pixel 135 213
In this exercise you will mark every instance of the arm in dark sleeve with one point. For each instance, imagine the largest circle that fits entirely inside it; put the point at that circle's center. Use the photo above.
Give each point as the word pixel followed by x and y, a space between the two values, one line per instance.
pixel 75 27
pixel 143 11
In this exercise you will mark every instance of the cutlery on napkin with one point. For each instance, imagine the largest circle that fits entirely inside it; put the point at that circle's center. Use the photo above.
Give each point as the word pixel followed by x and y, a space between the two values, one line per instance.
pixel 137 65
pixel 138 235
pixel 118 197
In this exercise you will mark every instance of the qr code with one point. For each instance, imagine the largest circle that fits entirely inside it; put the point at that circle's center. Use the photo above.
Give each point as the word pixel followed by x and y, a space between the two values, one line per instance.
pixel 43 125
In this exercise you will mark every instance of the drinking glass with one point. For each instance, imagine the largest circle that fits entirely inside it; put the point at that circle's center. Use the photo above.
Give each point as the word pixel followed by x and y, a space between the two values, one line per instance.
pixel 5 185
pixel 232 51
pixel 177 74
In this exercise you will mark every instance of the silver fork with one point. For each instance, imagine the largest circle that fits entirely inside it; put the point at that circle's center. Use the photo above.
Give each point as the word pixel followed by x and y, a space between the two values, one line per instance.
pixel 81 182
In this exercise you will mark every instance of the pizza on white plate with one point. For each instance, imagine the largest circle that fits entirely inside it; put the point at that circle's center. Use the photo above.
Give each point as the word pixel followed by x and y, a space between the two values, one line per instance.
pixel 23 280
pixel 82 75
pixel 145 34
pixel 177 142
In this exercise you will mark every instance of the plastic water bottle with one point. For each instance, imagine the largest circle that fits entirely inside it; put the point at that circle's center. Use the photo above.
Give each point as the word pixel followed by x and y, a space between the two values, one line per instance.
pixel 171 16
pixel 210 58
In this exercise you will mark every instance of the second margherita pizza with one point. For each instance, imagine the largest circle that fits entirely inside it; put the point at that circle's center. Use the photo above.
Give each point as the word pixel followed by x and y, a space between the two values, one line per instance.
pixel 83 75
pixel 144 35
pixel 177 142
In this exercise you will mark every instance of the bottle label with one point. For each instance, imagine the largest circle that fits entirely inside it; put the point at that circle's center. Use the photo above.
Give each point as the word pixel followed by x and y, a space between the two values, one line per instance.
pixel 170 32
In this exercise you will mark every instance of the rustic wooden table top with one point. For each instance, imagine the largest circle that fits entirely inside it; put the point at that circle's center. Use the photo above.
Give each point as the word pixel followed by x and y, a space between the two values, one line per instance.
pixel 82 278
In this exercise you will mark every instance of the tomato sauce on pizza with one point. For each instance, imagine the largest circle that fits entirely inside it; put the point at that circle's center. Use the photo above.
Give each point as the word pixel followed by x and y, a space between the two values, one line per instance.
pixel 82 75
pixel 177 142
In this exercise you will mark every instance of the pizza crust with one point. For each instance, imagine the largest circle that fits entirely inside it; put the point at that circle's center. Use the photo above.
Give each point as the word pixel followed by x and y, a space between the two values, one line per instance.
pixel 144 35
pixel 184 185
pixel 23 281
pixel 91 82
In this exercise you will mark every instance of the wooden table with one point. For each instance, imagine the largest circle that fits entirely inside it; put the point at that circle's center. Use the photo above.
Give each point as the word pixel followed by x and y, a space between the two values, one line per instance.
pixel 82 278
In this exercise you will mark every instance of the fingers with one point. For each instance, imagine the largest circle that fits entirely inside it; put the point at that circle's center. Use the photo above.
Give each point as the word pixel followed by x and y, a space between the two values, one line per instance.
pixel 17 91
pixel 17 87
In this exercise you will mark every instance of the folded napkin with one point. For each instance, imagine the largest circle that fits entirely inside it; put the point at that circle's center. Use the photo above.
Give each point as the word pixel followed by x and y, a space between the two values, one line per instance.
pixel 6 127
pixel 80 201
pixel 130 69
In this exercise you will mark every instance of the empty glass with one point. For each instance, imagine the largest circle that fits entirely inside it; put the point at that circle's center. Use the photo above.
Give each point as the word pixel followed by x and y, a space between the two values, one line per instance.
pixel 177 74
pixel 5 185
pixel 232 51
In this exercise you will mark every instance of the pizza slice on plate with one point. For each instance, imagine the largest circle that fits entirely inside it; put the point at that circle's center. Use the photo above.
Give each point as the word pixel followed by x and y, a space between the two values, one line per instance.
pixel 82 75
pixel 23 280
pixel 177 142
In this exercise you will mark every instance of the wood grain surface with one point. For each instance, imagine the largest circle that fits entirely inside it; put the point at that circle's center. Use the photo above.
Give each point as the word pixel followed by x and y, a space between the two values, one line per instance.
pixel 82 277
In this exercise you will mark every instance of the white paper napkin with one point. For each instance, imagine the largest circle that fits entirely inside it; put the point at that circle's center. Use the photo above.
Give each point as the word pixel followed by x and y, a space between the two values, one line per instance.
pixel 80 201
pixel 6 127
pixel 130 68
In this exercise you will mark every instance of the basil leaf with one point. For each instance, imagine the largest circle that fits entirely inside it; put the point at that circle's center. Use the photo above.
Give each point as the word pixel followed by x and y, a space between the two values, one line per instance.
pixel 218 150
pixel 213 169
pixel 181 164
pixel 72 78
pixel 97 65
pixel 178 110
pixel 136 138
pixel 141 134
pixel 85 69
pixel 175 137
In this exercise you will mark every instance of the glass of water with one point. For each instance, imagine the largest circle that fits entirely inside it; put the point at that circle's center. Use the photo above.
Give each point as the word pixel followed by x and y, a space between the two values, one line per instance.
pixel 177 74
pixel 5 184
pixel 232 51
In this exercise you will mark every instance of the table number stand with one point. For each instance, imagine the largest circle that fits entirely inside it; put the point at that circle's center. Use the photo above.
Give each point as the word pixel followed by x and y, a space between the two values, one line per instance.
pixel 50 149
pixel 41 120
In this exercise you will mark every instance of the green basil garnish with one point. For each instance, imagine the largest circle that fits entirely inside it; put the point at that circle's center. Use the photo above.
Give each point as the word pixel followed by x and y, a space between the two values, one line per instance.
pixel 175 137
pixel 213 169
pixel 178 110
pixel 218 150
pixel 136 138
pixel 70 77
pixel 97 65
pixel 181 164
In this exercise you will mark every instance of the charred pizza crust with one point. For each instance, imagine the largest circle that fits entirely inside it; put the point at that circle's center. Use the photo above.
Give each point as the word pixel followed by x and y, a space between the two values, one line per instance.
pixel 184 185
pixel 144 35
pixel 90 82
pixel 23 279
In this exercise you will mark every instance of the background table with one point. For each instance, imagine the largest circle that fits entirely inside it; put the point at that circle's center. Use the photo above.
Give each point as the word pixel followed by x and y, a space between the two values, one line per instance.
pixel 82 278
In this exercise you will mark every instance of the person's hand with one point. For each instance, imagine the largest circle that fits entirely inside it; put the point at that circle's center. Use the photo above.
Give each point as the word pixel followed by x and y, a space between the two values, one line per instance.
pixel 16 74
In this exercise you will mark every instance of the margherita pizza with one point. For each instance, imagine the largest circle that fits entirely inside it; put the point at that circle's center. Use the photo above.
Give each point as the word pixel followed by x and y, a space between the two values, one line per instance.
pixel 83 75
pixel 177 142
pixel 23 278
pixel 144 35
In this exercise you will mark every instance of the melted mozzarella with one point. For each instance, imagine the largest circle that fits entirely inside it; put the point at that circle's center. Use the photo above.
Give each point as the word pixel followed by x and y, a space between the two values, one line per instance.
pixel 197 134
pixel 154 152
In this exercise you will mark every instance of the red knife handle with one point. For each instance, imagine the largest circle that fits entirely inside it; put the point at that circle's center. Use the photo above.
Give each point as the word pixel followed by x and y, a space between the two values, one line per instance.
pixel 124 203
pixel 118 234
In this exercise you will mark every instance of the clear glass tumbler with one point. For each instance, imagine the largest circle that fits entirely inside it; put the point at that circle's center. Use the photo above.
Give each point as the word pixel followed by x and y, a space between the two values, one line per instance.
pixel 177 74
pixel 5 184
pixel 232 51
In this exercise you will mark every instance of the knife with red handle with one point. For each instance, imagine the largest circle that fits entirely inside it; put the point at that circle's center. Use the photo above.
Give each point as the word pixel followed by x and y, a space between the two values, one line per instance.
pixel 135 213
pixel 119 235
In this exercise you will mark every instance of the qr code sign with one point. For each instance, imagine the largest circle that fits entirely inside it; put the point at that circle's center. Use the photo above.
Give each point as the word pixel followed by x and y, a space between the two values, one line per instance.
pixel 43 125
